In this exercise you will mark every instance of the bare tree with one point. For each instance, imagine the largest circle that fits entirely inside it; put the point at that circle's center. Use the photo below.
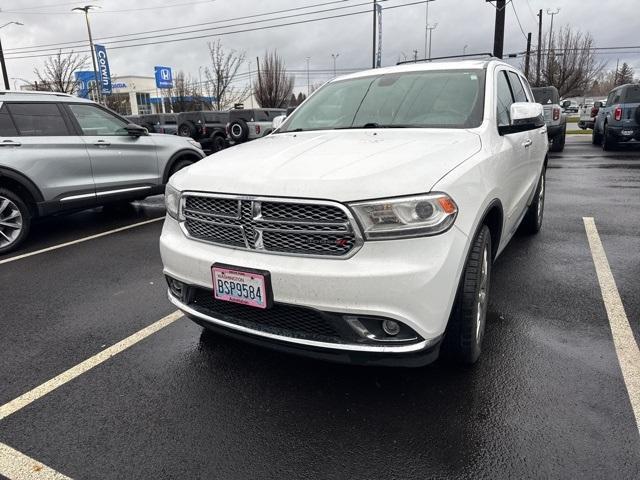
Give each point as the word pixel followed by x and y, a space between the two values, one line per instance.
pixel 59 72
pixel 186 95
pixel 221 76
pixel 570 63
pixel 274 85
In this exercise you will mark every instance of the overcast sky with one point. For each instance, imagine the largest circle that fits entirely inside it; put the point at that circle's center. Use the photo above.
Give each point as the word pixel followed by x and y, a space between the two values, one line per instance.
pixel 459 23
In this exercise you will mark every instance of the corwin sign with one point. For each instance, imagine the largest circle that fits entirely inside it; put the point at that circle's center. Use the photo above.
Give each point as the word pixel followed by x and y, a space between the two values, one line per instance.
pixel 103 69
pixel 164 77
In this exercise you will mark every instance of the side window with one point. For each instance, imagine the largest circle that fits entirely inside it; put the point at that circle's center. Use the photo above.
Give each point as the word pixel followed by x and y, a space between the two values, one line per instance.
pixel 616 97
pixel 516 87
pixel 7 128
pixel 261 116
pixel 504 99
pixel 38 119
pixel 610 98
pixel 95 121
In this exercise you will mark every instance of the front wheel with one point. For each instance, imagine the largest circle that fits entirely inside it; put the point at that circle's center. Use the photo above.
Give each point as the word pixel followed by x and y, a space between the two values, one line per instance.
pixel 15 220
pixel 465 332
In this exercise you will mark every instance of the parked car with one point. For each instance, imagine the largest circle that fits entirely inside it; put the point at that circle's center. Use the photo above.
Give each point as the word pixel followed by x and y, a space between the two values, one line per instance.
pixel 366 236
pixel 249 124
pixel 619 120
pixel 554 118
pixel 156 122
pixel 588 112
pixel 207 127
pixel 62 153
pixel 571 106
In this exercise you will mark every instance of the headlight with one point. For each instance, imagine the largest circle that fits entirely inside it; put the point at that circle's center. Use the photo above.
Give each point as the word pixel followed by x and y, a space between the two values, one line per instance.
pixel 406 216
pixel 172 201
pixel 194 143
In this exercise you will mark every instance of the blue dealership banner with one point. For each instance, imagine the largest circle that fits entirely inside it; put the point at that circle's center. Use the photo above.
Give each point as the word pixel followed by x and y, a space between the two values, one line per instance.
pixel 103 69
pixel 164 77
pixel 85 82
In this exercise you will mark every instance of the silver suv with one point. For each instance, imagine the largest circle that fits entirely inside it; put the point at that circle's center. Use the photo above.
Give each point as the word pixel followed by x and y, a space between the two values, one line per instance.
pixel 62 153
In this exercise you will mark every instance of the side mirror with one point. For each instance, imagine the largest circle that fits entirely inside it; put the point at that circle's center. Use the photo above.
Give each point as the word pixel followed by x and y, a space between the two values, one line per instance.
pixel 275 124
pixel 566 104
pixel 597 105
pixel 524 116
pixel 134 130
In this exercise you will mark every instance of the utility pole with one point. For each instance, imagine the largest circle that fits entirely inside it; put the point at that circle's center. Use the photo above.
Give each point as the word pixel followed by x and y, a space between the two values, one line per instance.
pixel 5 75
pixel 539 47
pixel 430 29
pixel 528 57
pixel 86 9
pixel 259 79
pixel 373 48
pixel 334 56
pixel 464 49
pixel 498 37
pixel 308 83
pixel 415 55
pixel 552 13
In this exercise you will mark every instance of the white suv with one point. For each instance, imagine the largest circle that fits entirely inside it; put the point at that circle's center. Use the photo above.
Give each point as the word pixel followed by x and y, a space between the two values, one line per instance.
pixel 364 228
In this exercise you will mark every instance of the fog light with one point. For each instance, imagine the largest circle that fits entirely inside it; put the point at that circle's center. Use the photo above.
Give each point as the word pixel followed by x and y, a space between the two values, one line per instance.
pixel 391 328
pixel 176 287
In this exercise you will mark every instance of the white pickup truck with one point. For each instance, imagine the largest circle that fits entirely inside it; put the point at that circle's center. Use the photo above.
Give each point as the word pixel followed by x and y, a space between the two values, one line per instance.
pixel 554 118
pixel 588 112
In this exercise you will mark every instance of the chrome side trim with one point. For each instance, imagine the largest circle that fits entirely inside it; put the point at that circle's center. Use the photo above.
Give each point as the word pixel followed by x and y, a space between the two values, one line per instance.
pixel 309 343
pixel 78 197
pixel 120 190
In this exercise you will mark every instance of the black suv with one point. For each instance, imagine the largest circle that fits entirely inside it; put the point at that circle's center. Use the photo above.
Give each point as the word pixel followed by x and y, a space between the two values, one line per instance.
pixel 156 122
pixel 207 127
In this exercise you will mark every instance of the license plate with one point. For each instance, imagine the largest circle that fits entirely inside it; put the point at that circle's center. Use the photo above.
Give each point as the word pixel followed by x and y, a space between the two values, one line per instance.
pixel 241 285
pixel 627 132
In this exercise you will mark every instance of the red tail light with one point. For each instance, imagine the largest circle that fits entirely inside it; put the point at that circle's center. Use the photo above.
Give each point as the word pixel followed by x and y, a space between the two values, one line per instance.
pixel 257 129
pixel 556 114
pixel 594 111
pixel 617 114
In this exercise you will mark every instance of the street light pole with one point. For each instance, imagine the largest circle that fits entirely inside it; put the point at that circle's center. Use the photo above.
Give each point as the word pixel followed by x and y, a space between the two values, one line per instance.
pixel 334 56
pixel 5 75
pixel 552 13
pixel 426 27
pixel 86 9
pixel 430 29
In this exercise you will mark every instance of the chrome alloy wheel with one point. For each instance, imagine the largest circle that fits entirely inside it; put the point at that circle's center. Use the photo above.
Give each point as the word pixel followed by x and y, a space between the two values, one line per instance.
pixel 481 306
pixel 10 222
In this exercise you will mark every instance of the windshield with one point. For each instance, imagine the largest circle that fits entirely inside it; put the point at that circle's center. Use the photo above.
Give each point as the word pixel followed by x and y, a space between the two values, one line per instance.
pixel 428 99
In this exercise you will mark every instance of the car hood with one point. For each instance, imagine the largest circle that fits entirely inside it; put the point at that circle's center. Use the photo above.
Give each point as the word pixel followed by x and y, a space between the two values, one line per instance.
pixel 341 165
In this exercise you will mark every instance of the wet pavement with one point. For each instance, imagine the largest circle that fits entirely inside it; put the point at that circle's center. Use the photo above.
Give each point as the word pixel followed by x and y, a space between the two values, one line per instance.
pixel 546 400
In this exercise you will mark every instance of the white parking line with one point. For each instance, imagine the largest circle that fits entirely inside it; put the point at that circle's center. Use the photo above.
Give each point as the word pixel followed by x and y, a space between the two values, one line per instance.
pixel 80 240
pixel 47 387
pixel 18 466
pixel 623 339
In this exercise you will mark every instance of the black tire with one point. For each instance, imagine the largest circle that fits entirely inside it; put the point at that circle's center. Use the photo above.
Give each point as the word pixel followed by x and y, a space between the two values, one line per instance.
pixel 239 131
pixel 532 221
pixel 596 137
pixel 179 165
pixel 558 141
pixel 608 144
pixel 13 211
pixel 463 340
pixel 218 142
pixel 187 129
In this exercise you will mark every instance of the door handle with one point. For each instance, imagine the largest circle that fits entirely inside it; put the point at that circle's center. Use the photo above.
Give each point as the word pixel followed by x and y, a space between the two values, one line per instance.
pixel 10 143
pixel 527 143
pixel 102 143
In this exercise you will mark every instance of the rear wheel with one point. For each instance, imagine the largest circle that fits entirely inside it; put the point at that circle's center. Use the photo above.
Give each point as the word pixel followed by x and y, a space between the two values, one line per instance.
pixel 608 143
pixel 558 141
pixel 15 220
pixel 187 129
pixel 532 221
pixel 465 332
pixel 596 138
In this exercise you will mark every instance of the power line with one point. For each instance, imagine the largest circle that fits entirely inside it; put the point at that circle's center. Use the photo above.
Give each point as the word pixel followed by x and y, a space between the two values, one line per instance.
pixel 15 49
pixel 267 27
pixel 519 24
pixel 157 7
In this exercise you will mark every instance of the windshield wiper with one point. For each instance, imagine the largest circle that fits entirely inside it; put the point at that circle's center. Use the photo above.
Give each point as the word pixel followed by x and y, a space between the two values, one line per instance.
pixel 371 125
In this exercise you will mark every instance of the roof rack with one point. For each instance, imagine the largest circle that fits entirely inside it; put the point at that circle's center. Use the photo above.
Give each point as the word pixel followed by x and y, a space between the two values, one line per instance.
pixel 35 92
pixel 490 55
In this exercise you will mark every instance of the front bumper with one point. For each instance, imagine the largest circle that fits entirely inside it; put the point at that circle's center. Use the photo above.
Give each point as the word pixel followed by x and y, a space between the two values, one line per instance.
pixel 413 281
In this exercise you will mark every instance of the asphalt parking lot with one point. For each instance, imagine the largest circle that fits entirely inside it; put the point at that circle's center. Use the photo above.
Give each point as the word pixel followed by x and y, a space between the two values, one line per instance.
pixel 548 399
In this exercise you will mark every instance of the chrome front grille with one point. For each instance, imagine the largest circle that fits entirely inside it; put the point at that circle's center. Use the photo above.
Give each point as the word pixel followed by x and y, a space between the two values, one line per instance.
pixel 294 227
